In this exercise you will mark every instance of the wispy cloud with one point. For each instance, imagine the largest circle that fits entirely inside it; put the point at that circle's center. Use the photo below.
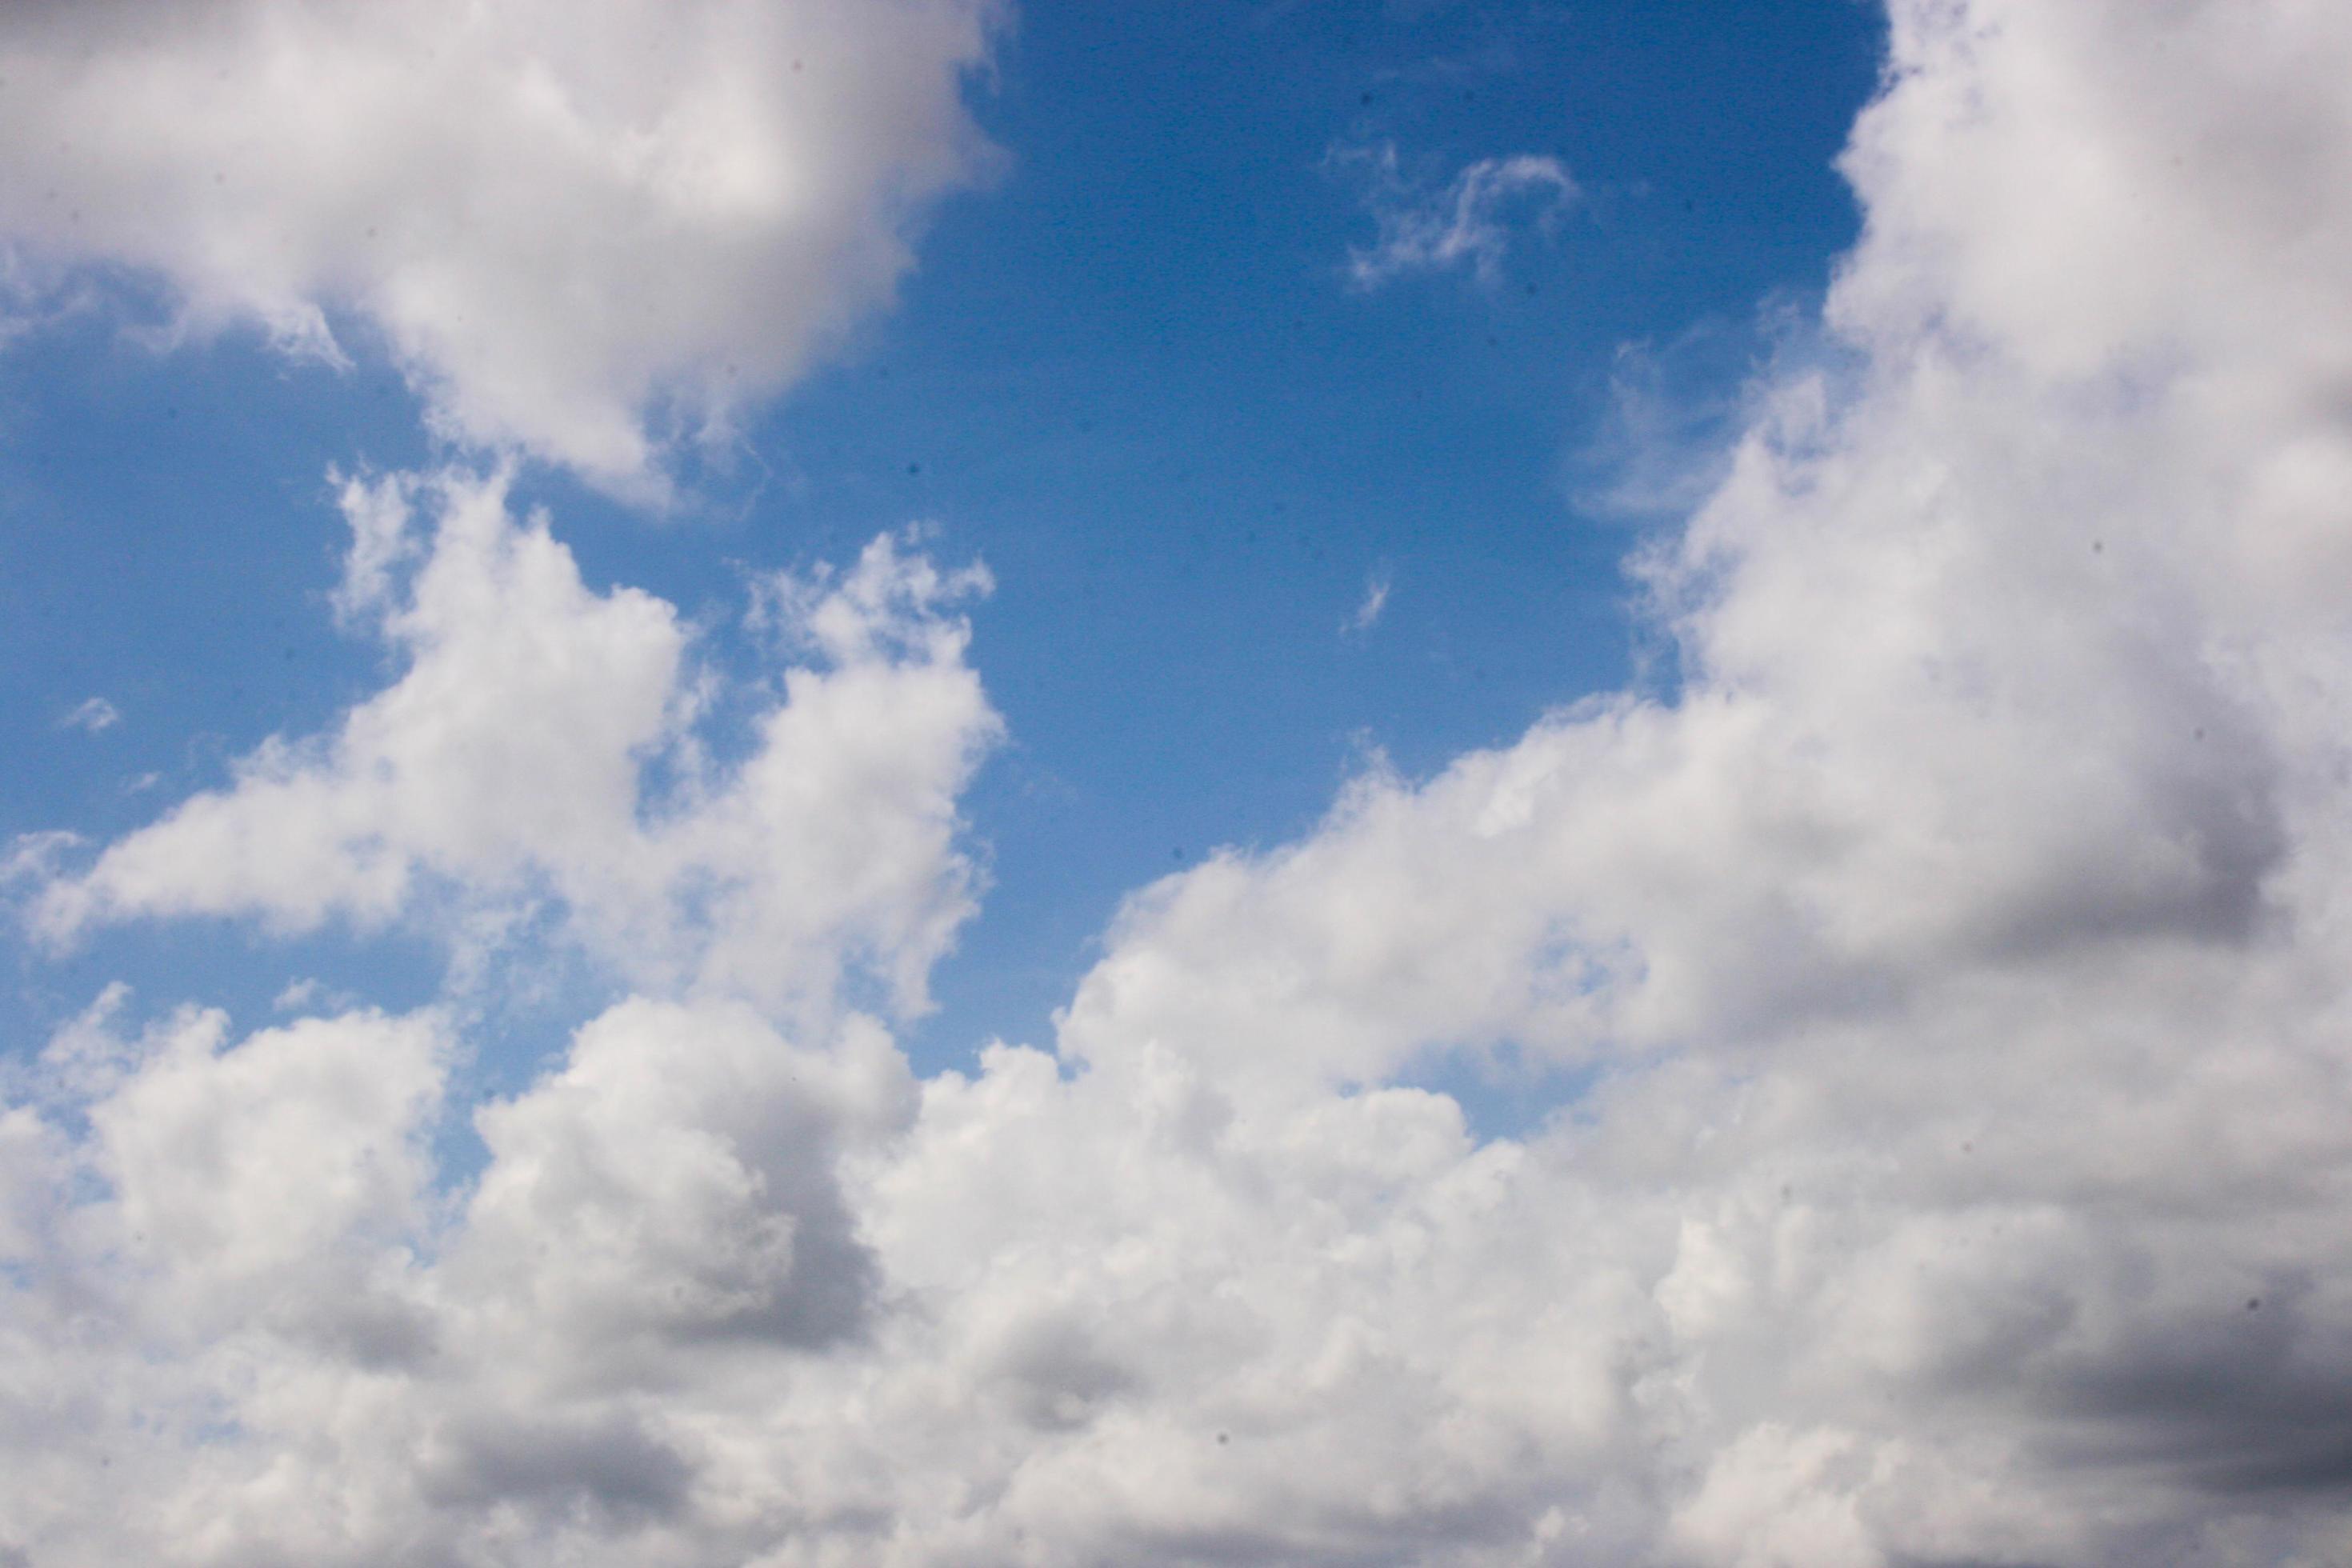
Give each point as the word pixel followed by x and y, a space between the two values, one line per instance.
pixel 1433 225
pixel 1664 438
pixel 34 857
pixel 1375 602
pixel 94 715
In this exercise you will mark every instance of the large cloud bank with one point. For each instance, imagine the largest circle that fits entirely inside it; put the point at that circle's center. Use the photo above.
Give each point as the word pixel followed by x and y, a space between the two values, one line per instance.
pixel 1957 958
pixel 564 218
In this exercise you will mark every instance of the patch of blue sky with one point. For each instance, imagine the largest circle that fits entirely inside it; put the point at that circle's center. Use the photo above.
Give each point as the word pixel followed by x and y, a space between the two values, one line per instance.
pixel 1132 375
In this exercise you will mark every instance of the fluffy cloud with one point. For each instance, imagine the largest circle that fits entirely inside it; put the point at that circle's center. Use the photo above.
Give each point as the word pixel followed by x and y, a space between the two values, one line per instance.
pixel 515 763
pixel 1955 963
pixel 562 220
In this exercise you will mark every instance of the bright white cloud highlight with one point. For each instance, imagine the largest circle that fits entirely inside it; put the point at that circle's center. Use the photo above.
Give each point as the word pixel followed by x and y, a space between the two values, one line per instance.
pixel 511 766
pixel 1957 960
pixel 1465 222
pixel 580 228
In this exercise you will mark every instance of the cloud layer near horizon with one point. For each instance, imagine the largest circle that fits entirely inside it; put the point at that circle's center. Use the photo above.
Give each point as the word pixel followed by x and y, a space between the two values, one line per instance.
pixel 580 228
pixel 1957 958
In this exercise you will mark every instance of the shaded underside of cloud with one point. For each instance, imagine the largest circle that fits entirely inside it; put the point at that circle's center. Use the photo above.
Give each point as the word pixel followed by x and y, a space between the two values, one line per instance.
pixel 1957 960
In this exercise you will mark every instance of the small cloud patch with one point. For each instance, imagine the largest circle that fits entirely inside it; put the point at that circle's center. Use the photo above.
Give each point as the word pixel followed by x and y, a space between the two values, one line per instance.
pixel 93 716
pixel 1423 225
pixel 1375 603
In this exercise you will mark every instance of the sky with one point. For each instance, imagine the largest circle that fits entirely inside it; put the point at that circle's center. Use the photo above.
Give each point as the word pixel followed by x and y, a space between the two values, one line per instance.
pixel 933 781
pixel 1078 384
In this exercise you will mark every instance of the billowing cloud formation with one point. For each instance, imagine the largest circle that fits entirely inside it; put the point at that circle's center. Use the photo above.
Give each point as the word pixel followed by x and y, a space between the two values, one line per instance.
pixel 563 219
pixel 512 764
pixel 1957 960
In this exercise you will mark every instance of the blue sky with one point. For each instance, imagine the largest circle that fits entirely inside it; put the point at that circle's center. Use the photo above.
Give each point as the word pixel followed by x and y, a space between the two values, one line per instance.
pixel 1130 373
pixel 956 784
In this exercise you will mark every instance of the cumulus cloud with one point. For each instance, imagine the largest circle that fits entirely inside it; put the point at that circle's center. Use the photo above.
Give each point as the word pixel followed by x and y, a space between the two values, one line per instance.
pixel 1424 225
pixel 1954 964
pixel 578 229
pixel 543 748
pixel 271 1288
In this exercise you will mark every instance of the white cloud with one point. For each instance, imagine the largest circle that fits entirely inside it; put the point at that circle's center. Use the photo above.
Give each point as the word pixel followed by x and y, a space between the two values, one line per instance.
pixel 94 715
pixel 1677 410
pixel 1375 603
pixel 1957 957
pixel 1467 221
pixel 32 857
pixel 243 1179
pixel 577 226
pixel 512 763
